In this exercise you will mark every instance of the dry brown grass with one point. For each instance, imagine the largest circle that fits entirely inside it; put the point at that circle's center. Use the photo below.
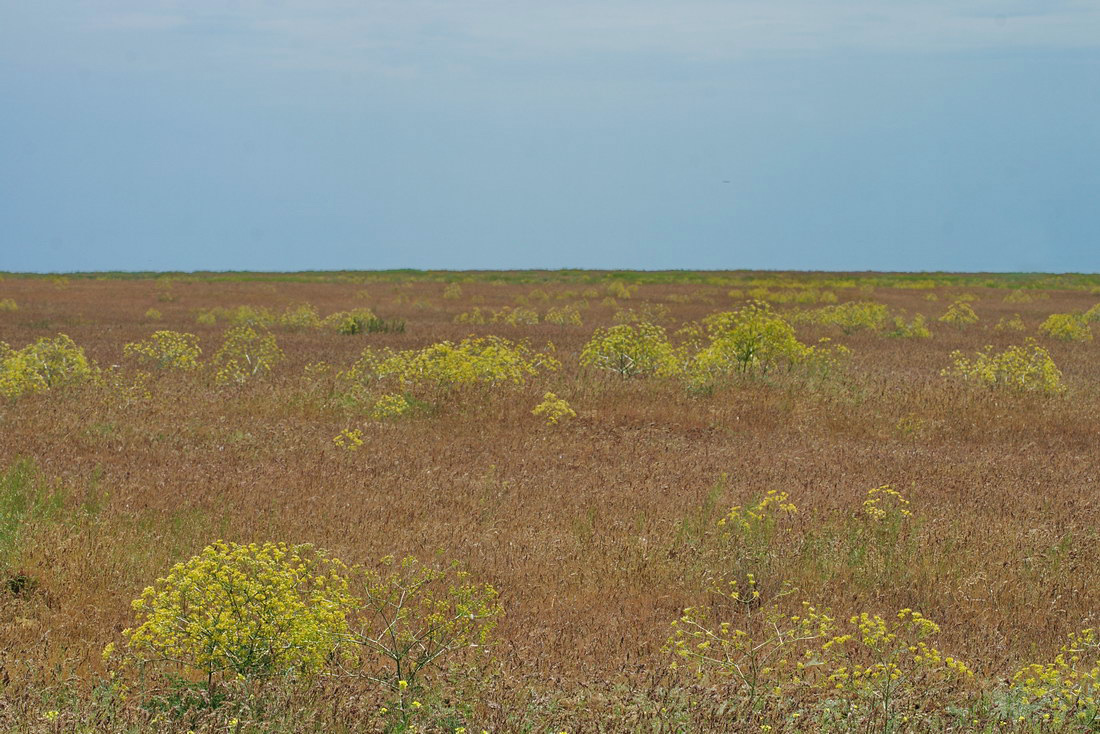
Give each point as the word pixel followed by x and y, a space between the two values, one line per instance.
pixel 596 532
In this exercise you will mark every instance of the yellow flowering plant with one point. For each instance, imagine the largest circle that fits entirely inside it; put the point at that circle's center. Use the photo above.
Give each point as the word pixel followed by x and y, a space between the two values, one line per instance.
pixel 166 350
pixel 254 611
pixel 960 315
pixel 44 365
pixel 1029 368
pixel 1064 692
pixel 245 354
pixel 390 406
pixel 633 350
pixel 554 409
pixel 1067 327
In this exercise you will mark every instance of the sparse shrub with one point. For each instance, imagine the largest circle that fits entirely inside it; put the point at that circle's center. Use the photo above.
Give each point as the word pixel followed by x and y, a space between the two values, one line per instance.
pixel 166 350
pixel 452 291
pixel 1028 368
pixel 632 350
pixel 616 289
pixel 852 316
pixel 8 304
pixel 1092 315
pixel 490 360
pixel 554 409
pixel 914 329
pixel 207 317
pixel 647 312
pixel 153 315
pixel 349 323
pixel 564 316
pixel 44 365
pixel 1013 324
pixel 300 317
pixel 252 316
pixel 246 354
pixel 515 316
pixel 1018 296
pixel 390 406
pixel 417 616
pixel 960 315
pixel 1062 693
pixel 477 316
pixel 753 339
pixel 1067 327
pixel 254 611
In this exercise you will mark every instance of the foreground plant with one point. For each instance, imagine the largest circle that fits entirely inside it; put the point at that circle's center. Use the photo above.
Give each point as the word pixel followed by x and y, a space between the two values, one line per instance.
pixel 44 365
pixel 255 611
pixel 1063 692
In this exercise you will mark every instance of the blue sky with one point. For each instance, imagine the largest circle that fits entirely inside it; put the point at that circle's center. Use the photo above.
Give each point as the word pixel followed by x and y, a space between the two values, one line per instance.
pixel 787 134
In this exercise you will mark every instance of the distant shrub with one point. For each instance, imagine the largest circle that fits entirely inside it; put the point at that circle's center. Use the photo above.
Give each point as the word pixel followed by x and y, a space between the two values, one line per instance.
pixel 515 316
pixel 477 316
pixel 490 360
pixel 753 339
pixel 300 317
pixel 252 316
pixel 166 350
pixel 1013 324
pixel 352 322
pixel 615 289
pixel 650 312
pixel 960 315
pixel 1067 327
pixel 914 329
pixel 851 317
pixel 246 354
pixel 254 611
pixel 564 316
pixel 1019 296
pixel 452 291
pixel 1027 368
pixel 632 350
pixel 153 315
pixel 7 304
pixel 44 365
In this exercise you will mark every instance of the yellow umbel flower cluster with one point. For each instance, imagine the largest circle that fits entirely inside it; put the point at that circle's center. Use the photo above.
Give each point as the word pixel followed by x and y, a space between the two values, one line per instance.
pixel 886 503
pixel 246 354
pixel 554 409
pixel 633 350
pixel 349 439
pixel 849 317
pixel 166 350
pixel 44 365
pixel 1067 689
pixel 490 360
pixel 390 406
pixel 960 315
pixel 251 610
pixel 1068 327
pixel 766 511
pixel 1027 368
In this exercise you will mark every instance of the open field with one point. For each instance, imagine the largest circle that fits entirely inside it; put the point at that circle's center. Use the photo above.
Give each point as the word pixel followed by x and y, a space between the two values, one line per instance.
pixel 597 531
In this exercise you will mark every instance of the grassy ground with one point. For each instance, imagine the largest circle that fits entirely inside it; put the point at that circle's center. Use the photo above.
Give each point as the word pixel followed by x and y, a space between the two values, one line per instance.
pixel 597 532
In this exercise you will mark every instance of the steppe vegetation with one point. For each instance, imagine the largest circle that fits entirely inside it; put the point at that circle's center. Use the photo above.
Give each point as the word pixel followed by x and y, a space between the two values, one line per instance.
pixel 549 501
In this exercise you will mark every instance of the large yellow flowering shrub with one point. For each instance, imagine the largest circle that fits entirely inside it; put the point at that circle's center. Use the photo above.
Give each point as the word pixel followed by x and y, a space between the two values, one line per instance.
pixel 250 610
pixel 44 365
pixel 246 354
pixel 1028 368
pixel 166 350
pixel 489 360
pixel 1067 327
pixel 631 350
pixel 960 315
pixel 850 317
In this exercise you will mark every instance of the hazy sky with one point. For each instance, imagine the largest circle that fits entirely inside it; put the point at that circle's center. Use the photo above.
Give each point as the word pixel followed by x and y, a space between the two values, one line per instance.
pixel 801 134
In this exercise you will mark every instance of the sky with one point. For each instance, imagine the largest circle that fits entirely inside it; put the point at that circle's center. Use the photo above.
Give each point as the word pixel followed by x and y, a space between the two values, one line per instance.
pixel 954 135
